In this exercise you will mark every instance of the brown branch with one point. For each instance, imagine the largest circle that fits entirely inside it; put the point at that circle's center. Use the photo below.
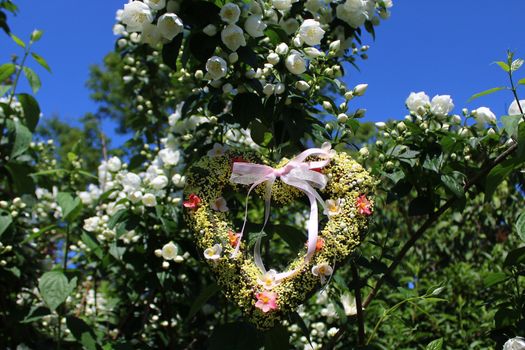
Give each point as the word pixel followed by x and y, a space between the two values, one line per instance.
pixel 419 233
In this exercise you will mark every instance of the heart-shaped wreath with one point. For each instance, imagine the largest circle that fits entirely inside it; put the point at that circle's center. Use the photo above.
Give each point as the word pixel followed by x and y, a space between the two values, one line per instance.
pixel 266 296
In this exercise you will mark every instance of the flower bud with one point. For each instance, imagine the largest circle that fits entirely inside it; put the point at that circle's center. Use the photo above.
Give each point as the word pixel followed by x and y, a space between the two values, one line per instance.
pixel 302 85
pixel 401 126
pixel 273 58
pixel 360 89
pixel 364 152
pixel 281 49
pixel 327 105
pixel 342 118
pixel 210 30
pixel 199 74
pixel 349 95
pixel 380 125
pixel 268 89
pixel 280 88
pixel 335 45
pixel 233 57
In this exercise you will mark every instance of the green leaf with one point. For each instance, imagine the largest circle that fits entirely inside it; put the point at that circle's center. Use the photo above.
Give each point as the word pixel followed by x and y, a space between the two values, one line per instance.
pixel 503 66
pixel 32 79
pixel 71 207
pixel 91 242
pixel 37 234
pixel 41 61
pixel 31 110
pixel 203 297
pixel 55 288
pixel 520 226
pixel 5 221
pixel 435 344
pixel 453 185
pixel 6 70
pixel 117 217
pixel 82 332
pixel 420 206
pixel 496 176
pixel 515 257
pixel 510 124
pixel 246 107
pixel 234 336
pixel 23 138
pixel 277 338
pixel 36 313
pixel 18 41
pixel 521 81
pixel 20 176
pixel 36 35
pixel 170 52
pixel 486 92
pixel 494 278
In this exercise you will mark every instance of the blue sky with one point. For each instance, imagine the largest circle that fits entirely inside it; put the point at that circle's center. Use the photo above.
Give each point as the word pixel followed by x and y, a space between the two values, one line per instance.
pixel 441 47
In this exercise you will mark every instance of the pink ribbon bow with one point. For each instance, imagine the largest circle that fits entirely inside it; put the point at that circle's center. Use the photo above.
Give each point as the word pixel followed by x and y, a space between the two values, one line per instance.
pixel 296 173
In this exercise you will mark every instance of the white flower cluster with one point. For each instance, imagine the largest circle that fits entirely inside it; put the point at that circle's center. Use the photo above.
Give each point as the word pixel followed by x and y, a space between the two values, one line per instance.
pixel 139 18
pixel 161 183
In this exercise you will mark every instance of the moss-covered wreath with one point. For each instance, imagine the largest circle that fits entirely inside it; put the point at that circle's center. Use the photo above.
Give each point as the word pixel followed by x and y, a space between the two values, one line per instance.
pixel 262 299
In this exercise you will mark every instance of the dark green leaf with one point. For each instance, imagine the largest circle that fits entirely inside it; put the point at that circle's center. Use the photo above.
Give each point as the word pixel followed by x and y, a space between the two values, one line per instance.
pixel 453 185
pixel 486 92
pixel 420 206
pixel 37 234
pixel 277 338
pixel 20 176
pixel 435 345
pixel 203 297
pixel 520 226
pixel 6 70
pixel 515 257
pixel 55 288
pixel 33 79
pixel 170 52
pixel 5 221
pixel 31 110
pixel 91 242
pixel 23 138
pixel 246 107
pixel 35 314
pixel 494 278
pixel 505 317
pixel 41 61
pixel 82 332
pixel 71 207
pixel 234 336
pixel 496 176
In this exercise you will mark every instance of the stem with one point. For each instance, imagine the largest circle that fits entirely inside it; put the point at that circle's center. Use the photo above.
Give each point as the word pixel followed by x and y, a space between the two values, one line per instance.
pixel 515 93
pixel 359 306
pixel 18 73
pixel 419 233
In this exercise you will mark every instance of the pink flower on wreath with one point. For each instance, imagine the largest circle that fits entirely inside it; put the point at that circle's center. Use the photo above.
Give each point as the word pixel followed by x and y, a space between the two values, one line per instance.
pixel 192 202
pixel 266 301
pixel 363 205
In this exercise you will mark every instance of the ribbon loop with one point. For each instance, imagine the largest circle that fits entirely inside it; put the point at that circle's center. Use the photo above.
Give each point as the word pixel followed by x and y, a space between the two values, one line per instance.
pixel 297 173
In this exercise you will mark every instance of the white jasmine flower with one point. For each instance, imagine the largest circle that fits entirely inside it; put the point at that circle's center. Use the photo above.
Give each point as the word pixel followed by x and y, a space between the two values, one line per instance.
pixel 213 253
pixel 169 156
pixel 333 207
pixel 220 205
pixel 170 25
pixel 159 182
pixel 210 30
pixel 282 49
pixel 135 15
pixel 135 197
pixel 514 109
pixel 158 253
pixel 441 105
pixel 178 180
pixel 355 12
pixel 267 280
pixel 322 270
pixel 280 88
pixel 273 58
pixel 290 25
pixel 417 102
pixel 217 150
pixel 517 343
pixel 216 67
pixel 255 26
pixel 282 5
pixel 149 200
pixel 230 13
pixel 360 89
pixel 295 63
pixel 312 52
pixel 155 4
pixel 268 89
pixel 484 115
pixel 119 29
pixel 311 32
pixel 233 37
pixel 364 151
pixel 131 182
pixel 114 164
pixel 169 251
pixel 150 34
pixel 91 224
pixel 302 85
pixel 349 304
pixel 314 5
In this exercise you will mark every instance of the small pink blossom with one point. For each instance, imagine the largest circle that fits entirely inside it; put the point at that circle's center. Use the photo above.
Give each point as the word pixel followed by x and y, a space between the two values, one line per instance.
pixel 363 205
pixel 266 301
